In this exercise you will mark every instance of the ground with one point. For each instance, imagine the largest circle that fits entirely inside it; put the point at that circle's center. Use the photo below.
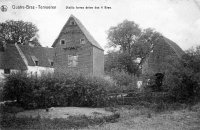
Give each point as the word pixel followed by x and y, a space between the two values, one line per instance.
pixel 131 118
pixel 65 112
pixel 145 119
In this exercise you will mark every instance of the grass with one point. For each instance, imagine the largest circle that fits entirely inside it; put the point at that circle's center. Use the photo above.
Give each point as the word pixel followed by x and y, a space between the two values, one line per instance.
pixel 10 121
pixel 143 118
pixel 126 117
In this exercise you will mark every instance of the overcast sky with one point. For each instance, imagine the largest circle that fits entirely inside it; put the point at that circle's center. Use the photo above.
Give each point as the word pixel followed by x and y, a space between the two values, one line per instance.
pixel 179 20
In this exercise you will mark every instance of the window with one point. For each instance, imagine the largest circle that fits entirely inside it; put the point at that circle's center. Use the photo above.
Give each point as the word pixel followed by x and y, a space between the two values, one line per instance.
pixel 51 62
pixel 35 60
pixel 82 41
pixel 6 71
pixel 72 61
pixel 72 22
pixel 62 42
pixel 36 63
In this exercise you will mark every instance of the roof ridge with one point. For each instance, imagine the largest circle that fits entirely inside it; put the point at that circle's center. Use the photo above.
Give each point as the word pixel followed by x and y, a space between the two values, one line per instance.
pixel 177 49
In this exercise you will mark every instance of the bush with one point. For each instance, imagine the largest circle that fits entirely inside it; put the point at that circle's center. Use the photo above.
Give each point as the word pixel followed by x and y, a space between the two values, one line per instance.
pixel 69 89
pixel 180 86
pixel 123 80
pixel 19 87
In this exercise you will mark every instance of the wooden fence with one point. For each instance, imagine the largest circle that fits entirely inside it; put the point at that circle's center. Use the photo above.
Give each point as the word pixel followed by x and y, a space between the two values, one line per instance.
pixel 130 98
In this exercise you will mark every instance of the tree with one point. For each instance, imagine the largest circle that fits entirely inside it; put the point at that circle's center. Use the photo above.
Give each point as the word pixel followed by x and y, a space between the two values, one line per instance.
pixel 134 44
pixel 124 35
pixel 182 78
pixel 12 32
pixel 121 62
pixel 144 44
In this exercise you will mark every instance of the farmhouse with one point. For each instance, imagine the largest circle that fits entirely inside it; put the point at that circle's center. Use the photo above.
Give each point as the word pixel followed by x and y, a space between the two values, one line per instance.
pixel 74 49
pixel 25 58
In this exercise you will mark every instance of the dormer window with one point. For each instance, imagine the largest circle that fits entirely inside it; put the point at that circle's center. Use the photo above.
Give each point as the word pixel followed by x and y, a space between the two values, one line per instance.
pixel 62 42
pixel 72 22
pixel 51 62
pixel 35 60
pixel 6 71
pixel 82 41
pixel 36 63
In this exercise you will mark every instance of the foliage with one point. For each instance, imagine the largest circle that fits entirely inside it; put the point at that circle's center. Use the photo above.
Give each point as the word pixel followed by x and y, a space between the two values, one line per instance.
pixel 181 79
pixel 12 32
pixel 18 87
pixel 120 61
pixel 124 34
pixel 134 44
pixel 122 78
pixel 70 89
pixel 145 44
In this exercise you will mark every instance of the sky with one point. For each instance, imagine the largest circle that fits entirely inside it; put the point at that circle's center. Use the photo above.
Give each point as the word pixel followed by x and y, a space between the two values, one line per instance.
pixel 178 20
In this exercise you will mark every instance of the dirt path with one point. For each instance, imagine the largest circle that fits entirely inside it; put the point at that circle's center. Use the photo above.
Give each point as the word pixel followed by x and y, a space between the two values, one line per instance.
pixel 65 112
pixel 147 120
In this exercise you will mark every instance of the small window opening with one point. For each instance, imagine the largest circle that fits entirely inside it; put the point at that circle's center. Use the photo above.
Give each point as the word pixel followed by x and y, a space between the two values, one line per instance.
pixel 82 41
pixel 35 60
pixel 72 22
pixel 6 71
pixel 51 63
pixel 36 63
pixel 62 42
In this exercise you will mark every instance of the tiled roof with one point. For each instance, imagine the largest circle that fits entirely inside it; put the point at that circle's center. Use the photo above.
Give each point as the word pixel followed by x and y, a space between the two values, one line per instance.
pixel 179 52
pixel 11 59
pixel 84 30
pixel 42 54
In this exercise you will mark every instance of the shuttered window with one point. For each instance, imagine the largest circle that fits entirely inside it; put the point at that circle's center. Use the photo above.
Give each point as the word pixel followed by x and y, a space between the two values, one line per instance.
pixel 72 60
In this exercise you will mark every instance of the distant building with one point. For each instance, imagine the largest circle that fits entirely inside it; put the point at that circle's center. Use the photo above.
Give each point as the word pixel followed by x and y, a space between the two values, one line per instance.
pixel 33 60
pixel 76 49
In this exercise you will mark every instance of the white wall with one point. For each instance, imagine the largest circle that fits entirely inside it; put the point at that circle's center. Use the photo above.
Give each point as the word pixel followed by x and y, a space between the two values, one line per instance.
pixel 38 70
pixel 31 70
pixel 2 73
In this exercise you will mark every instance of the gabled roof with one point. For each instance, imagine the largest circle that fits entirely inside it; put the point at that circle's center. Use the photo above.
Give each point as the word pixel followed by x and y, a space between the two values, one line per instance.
pixel 84 30
pixel 11 59
pixel 41 54
pixel 150 64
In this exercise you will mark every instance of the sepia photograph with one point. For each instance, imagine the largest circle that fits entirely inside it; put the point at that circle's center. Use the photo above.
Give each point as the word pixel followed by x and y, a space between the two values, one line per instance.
pixel 100 64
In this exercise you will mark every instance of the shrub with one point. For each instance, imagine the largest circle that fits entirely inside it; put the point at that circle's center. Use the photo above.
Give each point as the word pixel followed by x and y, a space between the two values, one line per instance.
pixel 123 80
pixel 61 89
pixel 180 86
pixel 18 87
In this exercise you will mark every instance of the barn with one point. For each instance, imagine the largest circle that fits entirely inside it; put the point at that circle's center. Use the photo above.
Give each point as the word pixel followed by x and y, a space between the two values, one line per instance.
pixel 163 49
pixel 75 49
